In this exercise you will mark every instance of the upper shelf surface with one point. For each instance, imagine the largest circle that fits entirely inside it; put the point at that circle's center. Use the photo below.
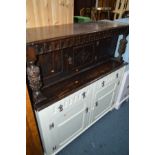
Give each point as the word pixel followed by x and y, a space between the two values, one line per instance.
pixel 51 32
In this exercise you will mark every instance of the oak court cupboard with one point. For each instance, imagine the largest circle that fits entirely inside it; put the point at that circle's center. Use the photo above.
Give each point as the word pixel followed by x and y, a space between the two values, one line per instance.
pixel 73 77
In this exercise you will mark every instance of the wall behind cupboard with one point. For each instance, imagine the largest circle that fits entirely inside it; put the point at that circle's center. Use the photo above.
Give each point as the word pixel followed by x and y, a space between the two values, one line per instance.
pixel 41 13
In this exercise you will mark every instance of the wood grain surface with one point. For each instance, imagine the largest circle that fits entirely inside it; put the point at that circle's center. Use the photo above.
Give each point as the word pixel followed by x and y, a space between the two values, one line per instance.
pixel 41 13
pixel 33 144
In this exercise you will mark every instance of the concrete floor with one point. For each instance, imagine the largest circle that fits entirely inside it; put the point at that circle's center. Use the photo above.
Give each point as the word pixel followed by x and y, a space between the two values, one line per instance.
pixel 108 136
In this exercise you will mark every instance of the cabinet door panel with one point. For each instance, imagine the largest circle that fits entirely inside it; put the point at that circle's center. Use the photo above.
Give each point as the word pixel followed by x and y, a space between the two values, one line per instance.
pixel 70 127
pixel 69 122
pixel 103 104
pixel 54 65
pixel 83 56
pixel 47 133
pixel 103 100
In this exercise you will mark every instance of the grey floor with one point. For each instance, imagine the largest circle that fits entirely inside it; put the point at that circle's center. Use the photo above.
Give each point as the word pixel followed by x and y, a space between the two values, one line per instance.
pixel 108 136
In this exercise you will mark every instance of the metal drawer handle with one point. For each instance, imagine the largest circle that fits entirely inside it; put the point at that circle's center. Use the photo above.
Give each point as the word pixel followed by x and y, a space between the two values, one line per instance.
pixel 103 83
pixel 51 126
pixel 84 94
pixel 60 108
pixel 54 148
pixel 117 75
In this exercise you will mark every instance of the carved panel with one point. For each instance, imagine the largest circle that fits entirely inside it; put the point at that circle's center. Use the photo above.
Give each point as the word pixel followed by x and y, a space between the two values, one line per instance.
pixel 54 65
pixel 104 48
pixel 60 44
pixel 64 57
pixel 48 47
pixel 83 55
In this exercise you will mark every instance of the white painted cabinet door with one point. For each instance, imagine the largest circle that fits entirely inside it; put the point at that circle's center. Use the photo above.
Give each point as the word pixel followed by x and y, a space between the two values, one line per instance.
pixel 75 118
pixel 104 99
pixel 63 121
pixel 69 123
pixel 105 92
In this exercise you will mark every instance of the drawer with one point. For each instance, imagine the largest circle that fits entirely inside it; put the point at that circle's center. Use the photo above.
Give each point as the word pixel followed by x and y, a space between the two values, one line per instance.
pixel 61 106
pixel 55 108
pixel 82 95
pixel 113 77
pixel 67 103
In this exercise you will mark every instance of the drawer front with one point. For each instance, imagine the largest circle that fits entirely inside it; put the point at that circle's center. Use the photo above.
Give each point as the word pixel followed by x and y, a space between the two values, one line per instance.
pixel 113 77
pixel 84 94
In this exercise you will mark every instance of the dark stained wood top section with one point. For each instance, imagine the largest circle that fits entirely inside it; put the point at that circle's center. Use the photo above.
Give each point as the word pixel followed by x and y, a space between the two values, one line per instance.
pixel 63 59
pixel 59 31
pixel 67 87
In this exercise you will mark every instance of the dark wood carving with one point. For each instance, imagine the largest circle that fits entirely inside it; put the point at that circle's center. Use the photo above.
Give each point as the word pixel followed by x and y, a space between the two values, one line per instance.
pixel 122 47
pixel 83 56
pixel 33 73
pixel 57 55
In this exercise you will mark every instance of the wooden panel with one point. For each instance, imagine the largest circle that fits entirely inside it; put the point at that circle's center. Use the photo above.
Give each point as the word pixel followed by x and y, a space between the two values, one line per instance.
pixel 102 50
pixel 41 13
pixel 83 55
pixel 33 145
pixel 54 65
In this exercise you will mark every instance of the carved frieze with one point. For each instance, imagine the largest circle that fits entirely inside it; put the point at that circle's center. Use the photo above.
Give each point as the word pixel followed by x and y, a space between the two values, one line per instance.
pixel 60 44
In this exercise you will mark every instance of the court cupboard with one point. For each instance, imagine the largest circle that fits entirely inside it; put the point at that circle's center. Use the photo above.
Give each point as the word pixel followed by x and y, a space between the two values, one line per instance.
pixel 73 77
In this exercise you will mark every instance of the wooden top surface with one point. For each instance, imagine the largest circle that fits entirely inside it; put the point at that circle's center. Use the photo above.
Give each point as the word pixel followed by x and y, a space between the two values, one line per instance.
pixel 51 32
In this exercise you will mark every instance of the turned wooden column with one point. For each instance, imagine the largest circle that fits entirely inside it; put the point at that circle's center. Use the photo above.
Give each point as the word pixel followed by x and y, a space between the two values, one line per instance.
pixel 33 74
pixel 122 47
